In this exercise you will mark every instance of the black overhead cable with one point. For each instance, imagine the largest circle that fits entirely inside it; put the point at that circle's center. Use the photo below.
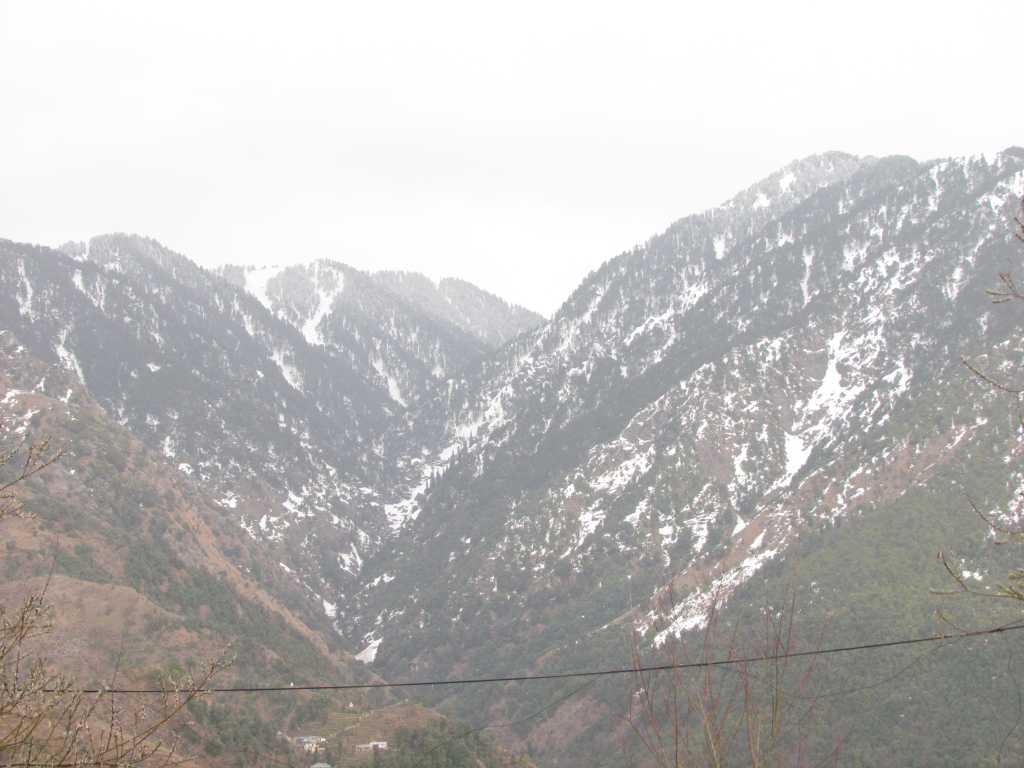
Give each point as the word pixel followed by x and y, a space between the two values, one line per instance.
pixel 566 675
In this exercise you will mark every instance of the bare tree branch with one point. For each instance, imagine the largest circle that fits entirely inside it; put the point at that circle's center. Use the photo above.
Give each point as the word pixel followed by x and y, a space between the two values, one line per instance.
pixel 718 717
pixel 45 718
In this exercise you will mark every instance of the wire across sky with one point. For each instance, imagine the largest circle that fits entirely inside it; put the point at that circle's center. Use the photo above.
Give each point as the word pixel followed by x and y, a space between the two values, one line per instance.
pixel 726 662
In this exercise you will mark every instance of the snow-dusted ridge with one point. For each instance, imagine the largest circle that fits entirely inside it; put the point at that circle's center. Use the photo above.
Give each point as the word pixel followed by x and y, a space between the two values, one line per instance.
pixel 810 360
pixel 693 410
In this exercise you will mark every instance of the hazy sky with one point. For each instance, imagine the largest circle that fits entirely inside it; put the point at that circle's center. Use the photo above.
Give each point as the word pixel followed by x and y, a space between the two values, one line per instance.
pixel 517 145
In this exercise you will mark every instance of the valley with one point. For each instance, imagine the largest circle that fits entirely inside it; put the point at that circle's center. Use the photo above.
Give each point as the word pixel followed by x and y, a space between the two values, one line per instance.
pixel 356 477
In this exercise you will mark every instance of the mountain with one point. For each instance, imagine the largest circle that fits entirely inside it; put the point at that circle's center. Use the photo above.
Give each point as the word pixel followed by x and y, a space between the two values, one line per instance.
pixel 477 312
pixel 182 394
pixel 203 374
pixel 698 407
pixel 291 415
pixel 400 330
pixel 768 394
pixel 147 574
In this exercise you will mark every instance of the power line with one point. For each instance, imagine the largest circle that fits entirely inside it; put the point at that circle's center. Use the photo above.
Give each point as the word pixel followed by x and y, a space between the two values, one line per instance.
pixel 567 675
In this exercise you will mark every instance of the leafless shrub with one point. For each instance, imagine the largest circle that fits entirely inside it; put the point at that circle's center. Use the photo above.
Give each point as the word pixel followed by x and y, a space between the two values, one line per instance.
pixel 756 709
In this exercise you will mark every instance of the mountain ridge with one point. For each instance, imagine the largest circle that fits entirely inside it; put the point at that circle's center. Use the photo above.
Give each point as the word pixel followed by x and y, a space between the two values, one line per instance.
pixel 730 397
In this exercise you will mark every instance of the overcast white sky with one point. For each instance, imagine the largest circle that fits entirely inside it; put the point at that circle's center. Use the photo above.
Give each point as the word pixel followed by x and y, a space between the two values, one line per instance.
pixel 516 145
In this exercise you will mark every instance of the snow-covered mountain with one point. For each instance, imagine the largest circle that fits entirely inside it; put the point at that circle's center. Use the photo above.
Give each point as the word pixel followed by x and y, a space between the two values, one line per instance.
pixel 288 399
pixel 461 486
pixel 757 372
pixel 402 331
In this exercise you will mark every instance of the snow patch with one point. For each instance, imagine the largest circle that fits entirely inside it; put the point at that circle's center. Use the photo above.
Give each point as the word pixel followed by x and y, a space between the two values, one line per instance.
pixel 830 394
pixel 67 357
pixel 720 247
pixel 796 456
pixel 256 280
pixel 290 372
pixel 400 512
pixel 394 391
pixel 325 303
pixel 369 653
pixel 899 378
pixel 351 561
pixel 11 394
pixel 228 500
pixel 590 518
pixel 615 479
pixel 805 281
pixel 692 612
pixel 25 294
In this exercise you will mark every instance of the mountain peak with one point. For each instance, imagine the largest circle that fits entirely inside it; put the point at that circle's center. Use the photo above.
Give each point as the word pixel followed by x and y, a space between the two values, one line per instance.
pixel 471 308
pixel 797 180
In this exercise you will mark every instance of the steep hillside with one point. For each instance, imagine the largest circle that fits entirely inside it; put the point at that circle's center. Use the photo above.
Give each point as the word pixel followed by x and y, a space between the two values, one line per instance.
pixel 404 349
pixel 286 406
pixel 772 367
pixel 146 573
pixel 284 437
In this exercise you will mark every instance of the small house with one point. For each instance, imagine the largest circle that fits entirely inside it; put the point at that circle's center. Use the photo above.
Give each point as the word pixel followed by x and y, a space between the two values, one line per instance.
pixel 310 743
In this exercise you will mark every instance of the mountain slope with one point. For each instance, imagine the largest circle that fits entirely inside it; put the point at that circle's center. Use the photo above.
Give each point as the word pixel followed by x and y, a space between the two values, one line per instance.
pixel 448 491
pixel 203 374
pixel 285 400
pixel 405 350
pixel 684 419
pixel 146 573
pixel 475 311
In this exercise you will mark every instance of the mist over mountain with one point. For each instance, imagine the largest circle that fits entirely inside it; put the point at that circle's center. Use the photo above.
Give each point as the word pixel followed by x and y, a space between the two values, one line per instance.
pixel 417 479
